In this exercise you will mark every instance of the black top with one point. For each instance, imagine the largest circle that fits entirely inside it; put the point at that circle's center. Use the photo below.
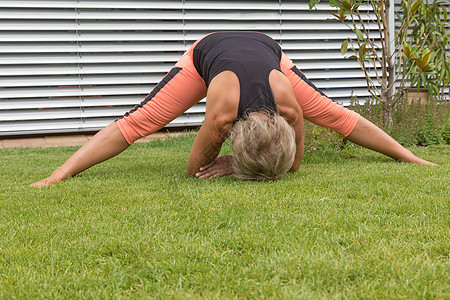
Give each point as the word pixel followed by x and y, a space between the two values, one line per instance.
pixel 251 56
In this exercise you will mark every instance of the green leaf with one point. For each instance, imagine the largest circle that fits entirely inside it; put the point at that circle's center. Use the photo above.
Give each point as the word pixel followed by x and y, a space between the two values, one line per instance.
pixel 426 68
pixel 414 49
pixel 424 79
pixel 342 15
pixel 416 5
pixel 359 34
pixel 442 75
pixel 426 56
pixel 407 50
pixel 418 62
pixel 358 4
pixel 312 3
pixel 344 47
pixel 425 52
pixel 362 51
pixel 419 83
pixel 353 57
pixel 365 49
pixel 335 3
pixel 436 90
pixel 347 5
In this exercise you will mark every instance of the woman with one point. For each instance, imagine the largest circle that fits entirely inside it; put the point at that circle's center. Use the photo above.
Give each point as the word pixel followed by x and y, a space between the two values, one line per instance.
pixel 254 93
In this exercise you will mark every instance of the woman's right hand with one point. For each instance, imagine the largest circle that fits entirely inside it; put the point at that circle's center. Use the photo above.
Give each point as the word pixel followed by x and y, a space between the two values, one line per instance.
pixel 221 166
pixel 44 182
pixel 57 176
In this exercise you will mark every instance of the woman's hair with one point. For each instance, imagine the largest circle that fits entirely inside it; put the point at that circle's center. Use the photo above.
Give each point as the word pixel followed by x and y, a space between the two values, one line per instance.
pixel 263 146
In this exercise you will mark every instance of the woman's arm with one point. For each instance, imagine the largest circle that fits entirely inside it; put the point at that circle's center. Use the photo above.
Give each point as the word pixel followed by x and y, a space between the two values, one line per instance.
pixel 221 111
pixel 206 147
pixel 368 135
pixel 299 142
pixel 105 144
pixel 290 110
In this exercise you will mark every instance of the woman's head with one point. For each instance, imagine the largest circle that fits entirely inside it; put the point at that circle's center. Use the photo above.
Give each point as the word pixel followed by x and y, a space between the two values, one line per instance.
pixel 263 146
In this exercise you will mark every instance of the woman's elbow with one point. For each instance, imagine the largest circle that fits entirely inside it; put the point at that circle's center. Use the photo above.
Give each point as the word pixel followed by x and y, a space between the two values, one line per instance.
pixel 294 167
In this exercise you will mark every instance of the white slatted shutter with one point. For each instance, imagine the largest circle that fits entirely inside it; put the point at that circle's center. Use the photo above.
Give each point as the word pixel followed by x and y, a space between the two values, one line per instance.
pixel 76 65
pixel 71 65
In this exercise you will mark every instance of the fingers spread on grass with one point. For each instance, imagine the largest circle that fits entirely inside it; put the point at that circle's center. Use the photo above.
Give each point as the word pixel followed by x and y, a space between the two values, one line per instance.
pixel 221 166
pixel 207 166
pixel 40 183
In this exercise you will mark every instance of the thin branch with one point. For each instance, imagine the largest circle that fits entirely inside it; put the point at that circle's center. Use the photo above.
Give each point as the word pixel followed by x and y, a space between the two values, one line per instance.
pixel 384 41
pixel 371 84
pixel 371 43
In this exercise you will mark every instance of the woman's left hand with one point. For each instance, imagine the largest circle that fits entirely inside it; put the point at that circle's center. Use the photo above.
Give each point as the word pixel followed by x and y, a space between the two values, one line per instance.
pixel 221 166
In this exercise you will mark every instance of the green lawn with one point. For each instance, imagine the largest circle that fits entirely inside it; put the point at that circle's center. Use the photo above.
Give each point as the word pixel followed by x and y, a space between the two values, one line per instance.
pixel 350 224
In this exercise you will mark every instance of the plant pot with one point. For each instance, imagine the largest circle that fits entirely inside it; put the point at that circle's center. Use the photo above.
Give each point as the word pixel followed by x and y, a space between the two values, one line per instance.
pixel 420 97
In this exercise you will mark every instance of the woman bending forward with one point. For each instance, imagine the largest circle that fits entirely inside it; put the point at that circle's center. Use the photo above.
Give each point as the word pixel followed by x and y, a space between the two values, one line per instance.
pixel 255 94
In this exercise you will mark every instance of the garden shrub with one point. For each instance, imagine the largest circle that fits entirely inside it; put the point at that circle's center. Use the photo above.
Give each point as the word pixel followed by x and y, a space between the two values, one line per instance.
pixel 413 124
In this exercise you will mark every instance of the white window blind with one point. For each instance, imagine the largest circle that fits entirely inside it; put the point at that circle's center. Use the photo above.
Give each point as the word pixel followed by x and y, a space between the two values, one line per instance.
pixel 76 65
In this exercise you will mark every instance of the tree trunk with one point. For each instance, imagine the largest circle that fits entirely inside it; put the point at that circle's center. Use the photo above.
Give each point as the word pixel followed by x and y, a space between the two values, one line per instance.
pixel 387 117
pixel 387 89
pixel 386 101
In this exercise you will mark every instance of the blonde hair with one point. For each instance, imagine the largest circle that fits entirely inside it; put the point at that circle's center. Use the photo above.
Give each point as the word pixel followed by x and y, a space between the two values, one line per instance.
pixel 263 147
